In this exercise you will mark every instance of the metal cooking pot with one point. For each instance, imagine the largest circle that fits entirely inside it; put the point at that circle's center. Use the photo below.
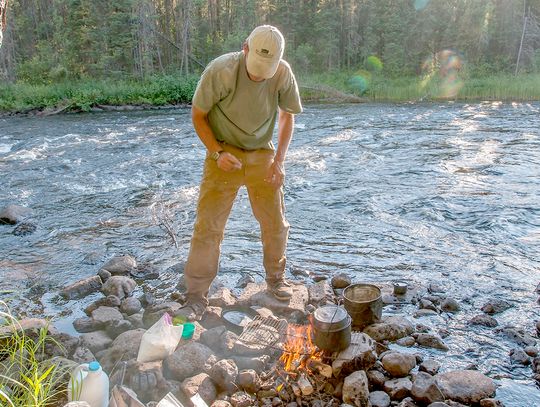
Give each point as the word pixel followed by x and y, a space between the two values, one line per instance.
pixel 331 328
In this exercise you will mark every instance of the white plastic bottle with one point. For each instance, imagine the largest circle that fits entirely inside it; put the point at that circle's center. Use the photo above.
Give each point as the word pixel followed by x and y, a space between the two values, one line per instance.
pixel 89 383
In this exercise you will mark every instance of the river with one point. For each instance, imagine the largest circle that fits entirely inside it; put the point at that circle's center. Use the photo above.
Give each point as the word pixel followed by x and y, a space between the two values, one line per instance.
pixel 446 194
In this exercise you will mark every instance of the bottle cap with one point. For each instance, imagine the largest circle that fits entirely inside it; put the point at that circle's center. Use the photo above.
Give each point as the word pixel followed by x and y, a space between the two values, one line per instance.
pixel 189 329
pixel 94 366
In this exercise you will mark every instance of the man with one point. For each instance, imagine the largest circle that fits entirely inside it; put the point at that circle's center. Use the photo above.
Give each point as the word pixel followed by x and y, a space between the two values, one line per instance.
pixel 234 110
pixel 3 12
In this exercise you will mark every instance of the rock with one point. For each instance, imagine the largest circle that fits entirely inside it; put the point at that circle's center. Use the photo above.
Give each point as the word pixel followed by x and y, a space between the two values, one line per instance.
pixel 538 327
pixel 249 380
pixel 425 313
pixel 245 280
pixel 517 335
pixel 200 384
pixel 245 362
pixel 219 339
pixel 82 288
pixel 92 257
pixel 320 293
pixel 147 299
pixel 424 389
pixel 430 341
pixel 519 356
pixel 398 389
pixel 438 404
pixel 187 361
pixel 130 306
pixel 491 403
pixel 407 341
pixel 109 301
pixel 124 347
pixel 105 315
pixel 120 265
pixel 407 402
pixel 155 311
pixel 531 351
pixel 429 366
pixel 465 386
pixel 426 304
pixel 398 364
pixel 117 327
pixel 390 329
pixel 104 275
pixel 376 379
pixel 496 306
pixel 379 399
pixel 24 228
pixel 484 320
pixel 241 399
pixel 224 374
pixel 360 354
pixel 222 298
pixel 341 280
pixel 145 271
pixel 212 317
pixel 85 325
pixel 120 286
pixel 450 305
pixel 136 320
pixel 256 294
pixel 13 214
pixel 355 389
pixel 96 341
pixel 83 355
pixel 221 403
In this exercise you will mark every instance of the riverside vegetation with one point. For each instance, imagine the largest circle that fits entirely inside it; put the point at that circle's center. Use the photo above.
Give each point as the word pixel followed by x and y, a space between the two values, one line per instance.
pixel 168 90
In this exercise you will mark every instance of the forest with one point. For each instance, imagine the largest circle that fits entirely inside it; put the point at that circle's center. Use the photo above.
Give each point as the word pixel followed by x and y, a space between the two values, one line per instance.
pixel 51 41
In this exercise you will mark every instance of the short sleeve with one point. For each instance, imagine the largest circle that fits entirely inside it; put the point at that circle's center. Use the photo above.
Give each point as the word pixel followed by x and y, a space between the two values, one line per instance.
pixel 289 96
pixel 209 90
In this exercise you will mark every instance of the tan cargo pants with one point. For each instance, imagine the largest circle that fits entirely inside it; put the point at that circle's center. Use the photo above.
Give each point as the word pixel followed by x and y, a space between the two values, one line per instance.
pixel 216 197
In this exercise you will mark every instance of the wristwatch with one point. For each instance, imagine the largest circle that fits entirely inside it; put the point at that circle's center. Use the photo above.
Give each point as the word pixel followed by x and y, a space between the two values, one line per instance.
pixel 215 155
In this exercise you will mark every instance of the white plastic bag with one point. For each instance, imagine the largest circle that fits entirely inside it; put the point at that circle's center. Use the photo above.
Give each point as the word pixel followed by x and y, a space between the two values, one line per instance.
pixel 160 340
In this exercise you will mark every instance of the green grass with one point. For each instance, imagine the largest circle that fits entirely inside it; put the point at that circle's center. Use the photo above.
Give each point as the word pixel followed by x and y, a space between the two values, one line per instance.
pixel 27 376
pixel 331 86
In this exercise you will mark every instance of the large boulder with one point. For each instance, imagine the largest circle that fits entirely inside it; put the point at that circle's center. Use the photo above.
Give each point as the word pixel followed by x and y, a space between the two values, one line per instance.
pixel 465 386
pixel 124 347
pixel 82 288
pixel 355 389
pixel 390 329
pixel 13 214
pixel 119 286
pixel 120 265
pixel 188 360
pixel 398 364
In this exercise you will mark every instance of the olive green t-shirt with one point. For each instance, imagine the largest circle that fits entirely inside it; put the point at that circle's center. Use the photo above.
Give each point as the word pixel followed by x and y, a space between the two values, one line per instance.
pixel 243 112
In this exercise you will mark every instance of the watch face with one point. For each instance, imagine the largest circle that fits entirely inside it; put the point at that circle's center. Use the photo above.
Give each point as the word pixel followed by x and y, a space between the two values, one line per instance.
pixel 215 155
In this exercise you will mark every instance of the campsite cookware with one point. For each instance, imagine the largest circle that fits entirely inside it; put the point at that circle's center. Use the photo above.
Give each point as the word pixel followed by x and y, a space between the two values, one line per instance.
pixel 331 328
pixel 364 304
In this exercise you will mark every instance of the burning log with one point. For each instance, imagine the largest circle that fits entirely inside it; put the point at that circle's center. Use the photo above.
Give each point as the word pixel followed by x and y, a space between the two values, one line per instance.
pixel 319 367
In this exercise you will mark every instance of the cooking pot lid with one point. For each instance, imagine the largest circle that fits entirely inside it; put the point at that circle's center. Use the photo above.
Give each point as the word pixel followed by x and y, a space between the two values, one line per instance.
pixel 330 314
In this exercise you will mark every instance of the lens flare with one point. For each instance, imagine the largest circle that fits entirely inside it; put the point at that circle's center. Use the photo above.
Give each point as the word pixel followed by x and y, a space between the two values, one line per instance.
pixel 420 4
pixel 442 71
pixel 374 64
pixel 360 81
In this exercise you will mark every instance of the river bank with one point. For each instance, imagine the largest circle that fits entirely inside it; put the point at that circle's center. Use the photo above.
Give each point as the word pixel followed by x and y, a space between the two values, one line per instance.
pixel 340 87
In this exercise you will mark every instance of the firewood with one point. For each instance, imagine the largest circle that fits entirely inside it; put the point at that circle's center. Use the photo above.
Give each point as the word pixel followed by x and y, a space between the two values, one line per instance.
pixel 305 385
pixel 320 368
pixel 296 390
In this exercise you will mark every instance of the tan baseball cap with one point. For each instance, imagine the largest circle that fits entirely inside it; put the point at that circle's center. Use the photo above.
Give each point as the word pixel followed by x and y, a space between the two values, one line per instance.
pixel 266 46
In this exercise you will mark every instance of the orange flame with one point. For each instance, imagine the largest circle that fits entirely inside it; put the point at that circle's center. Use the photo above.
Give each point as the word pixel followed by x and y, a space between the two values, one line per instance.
pixel 299 348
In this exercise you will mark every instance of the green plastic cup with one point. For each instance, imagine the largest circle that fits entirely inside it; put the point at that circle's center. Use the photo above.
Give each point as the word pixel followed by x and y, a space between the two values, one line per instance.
pixel 188 331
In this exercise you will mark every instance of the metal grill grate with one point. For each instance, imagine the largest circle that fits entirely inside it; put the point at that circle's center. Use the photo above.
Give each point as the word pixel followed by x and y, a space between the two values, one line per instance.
pixel 264 332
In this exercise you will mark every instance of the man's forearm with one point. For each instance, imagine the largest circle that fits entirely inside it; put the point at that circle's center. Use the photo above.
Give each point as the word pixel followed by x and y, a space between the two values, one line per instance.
pixel 285 132
pixel 203 130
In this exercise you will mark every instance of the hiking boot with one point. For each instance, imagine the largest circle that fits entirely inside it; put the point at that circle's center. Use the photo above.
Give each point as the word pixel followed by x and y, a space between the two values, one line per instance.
pixel 280 289
pixel 192 310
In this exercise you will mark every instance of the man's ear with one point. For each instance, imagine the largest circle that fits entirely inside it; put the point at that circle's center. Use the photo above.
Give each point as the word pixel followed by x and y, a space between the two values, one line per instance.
pixel 245 47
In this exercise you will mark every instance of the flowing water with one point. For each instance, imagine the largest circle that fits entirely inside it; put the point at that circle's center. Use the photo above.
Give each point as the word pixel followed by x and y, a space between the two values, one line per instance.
pixel 445 194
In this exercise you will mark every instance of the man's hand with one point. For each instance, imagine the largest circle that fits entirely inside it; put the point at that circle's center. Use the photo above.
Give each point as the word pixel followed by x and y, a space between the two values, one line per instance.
pixel 276 174
pixel 228 162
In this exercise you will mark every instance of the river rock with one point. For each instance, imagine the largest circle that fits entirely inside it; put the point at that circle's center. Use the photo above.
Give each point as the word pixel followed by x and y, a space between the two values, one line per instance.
pixel 130 306
pixel 249 380
pixel 145 271
pixel 13 214
pixel 430 366
pixel 109 301
pixel 519 356
pixel 241 399
pixel 257 363
pixel 450 305
pixel 82 288
pixel 120 286
pixel 465 386
pixel 24 228
pixel 187 361
pixel 105 315
pixel 379 399
pixel 96 341
pixel 426 304
pixel 200 384
pixel 390 328
pixel 219 339
pixel 83 355
pixel 256 294
pixel 224 373
pixel 222 298
pixel 341 280
pixel 121 265
pixel 398 389
pixel 531 351
pixel 124 347
pixel 320 293
pixel 495 306
pixel 85 325
pixel 424 389
pixel 360 354
pixel 484 320
pixel 407 341
pixel 155 311
pixel 430 341
pixel 407 402
pixel 212 317
pixel 104 275
pixel 491 403
pixel 398 364
pixel 517 335
pixel 116 327
pixel 355 389
pixel 376 379
pixel 245 280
